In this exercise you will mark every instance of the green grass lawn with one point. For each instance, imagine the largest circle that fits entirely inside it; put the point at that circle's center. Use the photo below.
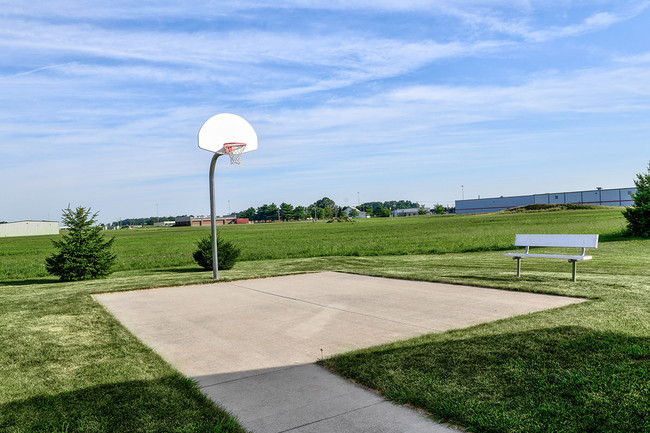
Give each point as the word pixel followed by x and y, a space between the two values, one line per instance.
pixel 161 248
pixel 67 365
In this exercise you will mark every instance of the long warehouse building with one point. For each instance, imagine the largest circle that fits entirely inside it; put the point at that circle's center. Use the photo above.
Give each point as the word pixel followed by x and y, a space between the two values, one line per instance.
pixel 29 228
pixel 602 197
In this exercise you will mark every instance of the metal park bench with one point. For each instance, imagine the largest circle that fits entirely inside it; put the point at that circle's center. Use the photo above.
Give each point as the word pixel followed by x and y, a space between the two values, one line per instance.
pixel 559 241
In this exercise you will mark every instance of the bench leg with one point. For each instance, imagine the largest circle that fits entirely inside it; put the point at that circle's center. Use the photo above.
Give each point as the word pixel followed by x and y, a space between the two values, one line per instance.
pixel 518 266
pixel 574 269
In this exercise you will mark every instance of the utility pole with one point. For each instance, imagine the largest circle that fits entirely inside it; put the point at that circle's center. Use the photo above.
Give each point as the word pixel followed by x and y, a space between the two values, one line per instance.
pixel 600 196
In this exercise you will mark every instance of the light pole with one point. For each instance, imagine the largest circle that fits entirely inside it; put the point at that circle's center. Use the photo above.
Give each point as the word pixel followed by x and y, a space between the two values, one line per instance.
pixel 600 195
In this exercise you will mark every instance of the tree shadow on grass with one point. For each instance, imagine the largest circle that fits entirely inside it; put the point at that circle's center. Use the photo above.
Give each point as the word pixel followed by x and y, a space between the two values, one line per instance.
pixel 619 236
pixel 569 379
pixel 181 270
pixel 29 282
pixel 164 405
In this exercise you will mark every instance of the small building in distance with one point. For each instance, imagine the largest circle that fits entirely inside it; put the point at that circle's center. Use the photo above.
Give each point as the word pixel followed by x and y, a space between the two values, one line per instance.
pixel 407 212
pixel 29 228
pixel 361 214
pixel 164 224
pixel 201 221
pixel 602 197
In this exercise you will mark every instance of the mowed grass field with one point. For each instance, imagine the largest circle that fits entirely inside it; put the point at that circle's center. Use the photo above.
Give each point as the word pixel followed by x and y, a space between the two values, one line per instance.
pixel 67 365
pixel 160 248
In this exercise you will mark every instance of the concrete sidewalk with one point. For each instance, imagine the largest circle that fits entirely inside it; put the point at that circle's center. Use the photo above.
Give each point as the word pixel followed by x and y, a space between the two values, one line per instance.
pixel 308 398
pixel 251 344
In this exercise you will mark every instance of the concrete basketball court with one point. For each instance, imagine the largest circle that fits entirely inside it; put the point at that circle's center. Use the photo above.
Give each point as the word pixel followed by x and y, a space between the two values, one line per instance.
pixel 251 344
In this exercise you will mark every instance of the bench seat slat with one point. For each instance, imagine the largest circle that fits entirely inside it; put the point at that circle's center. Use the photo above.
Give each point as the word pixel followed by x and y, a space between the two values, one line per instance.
pixel 548 256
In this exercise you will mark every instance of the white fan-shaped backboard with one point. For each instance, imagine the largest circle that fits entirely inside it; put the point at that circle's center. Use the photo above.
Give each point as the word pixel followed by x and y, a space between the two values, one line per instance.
pixel 226 128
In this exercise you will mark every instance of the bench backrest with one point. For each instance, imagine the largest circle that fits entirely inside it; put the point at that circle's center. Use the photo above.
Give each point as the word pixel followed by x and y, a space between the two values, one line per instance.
pixel 563 241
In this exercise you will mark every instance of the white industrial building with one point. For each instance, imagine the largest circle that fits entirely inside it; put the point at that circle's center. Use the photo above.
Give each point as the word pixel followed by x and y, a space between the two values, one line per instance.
pixel 602 197
pixel 164 224
pixel 29 228
pixel 361 214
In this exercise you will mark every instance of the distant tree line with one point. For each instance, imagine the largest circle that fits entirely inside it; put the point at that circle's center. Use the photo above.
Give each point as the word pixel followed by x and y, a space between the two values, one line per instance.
pixel 383 209
pixel 144 221
pixel 325 208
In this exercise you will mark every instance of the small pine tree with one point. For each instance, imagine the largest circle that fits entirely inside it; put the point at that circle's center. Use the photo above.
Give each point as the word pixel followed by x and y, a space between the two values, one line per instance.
pixel 83 252
pixel 638 216
pixel 227 253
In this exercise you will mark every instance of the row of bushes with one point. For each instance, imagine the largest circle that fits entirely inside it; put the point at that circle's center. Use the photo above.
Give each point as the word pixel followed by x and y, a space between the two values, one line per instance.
pixel 84 254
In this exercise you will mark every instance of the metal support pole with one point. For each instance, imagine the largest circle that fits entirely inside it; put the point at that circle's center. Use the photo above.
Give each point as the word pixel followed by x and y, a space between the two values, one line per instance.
pixel 213 224
pixel 518 266
pixel 574 270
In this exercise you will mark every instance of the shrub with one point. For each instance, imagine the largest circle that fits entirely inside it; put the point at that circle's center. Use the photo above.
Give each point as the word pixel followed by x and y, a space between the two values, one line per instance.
pixel 341 219
pixel 638 216
pixel 83 252
pixel 545 207
pixel 227 253
pixel 439 209
pixel 383 212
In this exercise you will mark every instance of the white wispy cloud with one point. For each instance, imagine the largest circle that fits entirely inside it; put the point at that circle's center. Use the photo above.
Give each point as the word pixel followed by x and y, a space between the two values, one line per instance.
pixel 594 90
pixel 636 59
pixel 595 22
pixel 255 61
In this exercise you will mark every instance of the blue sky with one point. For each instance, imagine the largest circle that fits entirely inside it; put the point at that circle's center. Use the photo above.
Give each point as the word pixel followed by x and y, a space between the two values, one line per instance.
pixel 101 102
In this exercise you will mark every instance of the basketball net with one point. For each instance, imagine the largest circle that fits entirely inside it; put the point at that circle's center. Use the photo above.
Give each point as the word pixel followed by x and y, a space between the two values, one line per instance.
pixel 234 151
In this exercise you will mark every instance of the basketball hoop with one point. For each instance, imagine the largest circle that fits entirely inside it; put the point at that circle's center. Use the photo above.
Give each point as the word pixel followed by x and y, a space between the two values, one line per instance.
pixel 234 151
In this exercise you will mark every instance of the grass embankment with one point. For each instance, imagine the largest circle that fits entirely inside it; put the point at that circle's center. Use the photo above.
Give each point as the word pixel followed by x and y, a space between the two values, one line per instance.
pixel 161 248
pixel 68 366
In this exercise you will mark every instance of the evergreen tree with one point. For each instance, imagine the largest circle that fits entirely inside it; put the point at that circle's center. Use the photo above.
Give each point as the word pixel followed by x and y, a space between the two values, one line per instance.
pixel 299 212
pixel 638 216
pixel 83 254
pixel 248 213
pixel 286 211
